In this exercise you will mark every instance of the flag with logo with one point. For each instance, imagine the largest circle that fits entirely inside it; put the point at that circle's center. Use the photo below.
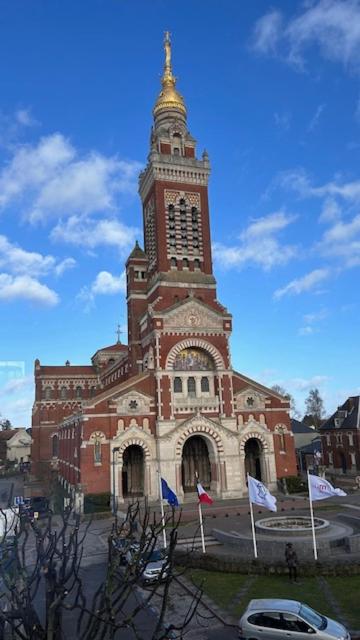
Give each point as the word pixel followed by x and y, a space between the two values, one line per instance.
pixel 168 494
pixel 319 488
pixel 260 495
pixel 204 497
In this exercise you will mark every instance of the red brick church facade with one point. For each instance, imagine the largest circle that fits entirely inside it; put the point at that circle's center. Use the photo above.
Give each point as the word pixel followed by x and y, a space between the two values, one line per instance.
pixel 170 400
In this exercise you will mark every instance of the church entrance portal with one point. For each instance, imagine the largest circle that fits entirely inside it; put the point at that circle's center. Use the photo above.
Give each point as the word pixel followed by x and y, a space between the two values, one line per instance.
pixel 133 472
pixel 253 453
pixel 195 459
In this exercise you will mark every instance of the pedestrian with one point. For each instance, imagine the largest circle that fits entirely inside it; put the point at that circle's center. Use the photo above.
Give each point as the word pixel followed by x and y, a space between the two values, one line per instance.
pixel 291 561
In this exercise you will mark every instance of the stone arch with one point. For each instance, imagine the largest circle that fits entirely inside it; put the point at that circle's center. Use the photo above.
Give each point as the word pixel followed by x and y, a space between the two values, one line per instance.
pixel 257 436
pixel 201 429
pixel 139 443
pixel 200 344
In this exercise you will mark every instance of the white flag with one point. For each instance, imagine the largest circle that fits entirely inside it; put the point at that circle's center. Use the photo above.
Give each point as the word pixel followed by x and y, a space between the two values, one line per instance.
pixel 259 494
pixel 321 488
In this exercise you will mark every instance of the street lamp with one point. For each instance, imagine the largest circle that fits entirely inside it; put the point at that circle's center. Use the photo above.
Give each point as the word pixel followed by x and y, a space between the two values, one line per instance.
pixel 115 450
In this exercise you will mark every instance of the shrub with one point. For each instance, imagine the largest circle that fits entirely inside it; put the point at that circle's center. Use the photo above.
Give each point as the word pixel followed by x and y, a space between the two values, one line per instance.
pixel 294 484
pixel 95 502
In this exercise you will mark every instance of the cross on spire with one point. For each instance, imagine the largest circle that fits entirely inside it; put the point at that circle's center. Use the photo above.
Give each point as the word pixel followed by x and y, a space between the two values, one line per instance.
pixel 118 333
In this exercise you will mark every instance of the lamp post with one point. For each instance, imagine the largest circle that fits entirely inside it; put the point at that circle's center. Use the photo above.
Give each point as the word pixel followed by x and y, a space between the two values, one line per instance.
pixel 115 450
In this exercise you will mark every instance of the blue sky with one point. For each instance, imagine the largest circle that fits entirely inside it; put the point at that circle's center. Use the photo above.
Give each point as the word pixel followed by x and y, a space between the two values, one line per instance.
pixel 272 90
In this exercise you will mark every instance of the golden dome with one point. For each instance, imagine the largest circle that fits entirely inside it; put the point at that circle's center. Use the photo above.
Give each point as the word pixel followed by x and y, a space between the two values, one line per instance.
pixel 169 97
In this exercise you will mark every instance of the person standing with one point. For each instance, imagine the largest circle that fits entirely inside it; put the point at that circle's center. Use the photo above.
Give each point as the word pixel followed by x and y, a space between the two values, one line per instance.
pixel 291 561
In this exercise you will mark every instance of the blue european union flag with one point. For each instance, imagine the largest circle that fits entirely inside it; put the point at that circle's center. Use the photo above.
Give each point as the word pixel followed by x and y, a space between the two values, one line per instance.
pixel 168 494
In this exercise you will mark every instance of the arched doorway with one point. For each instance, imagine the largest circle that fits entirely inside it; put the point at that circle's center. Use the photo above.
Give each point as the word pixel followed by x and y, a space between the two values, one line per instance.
pixel 195 459
pixel 133 471
pixel 253 454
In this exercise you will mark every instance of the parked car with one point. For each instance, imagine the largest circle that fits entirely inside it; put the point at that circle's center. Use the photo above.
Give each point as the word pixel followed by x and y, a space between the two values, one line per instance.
pixel 156 566
pixel 125 547
pixel 281 619
pixel 40 505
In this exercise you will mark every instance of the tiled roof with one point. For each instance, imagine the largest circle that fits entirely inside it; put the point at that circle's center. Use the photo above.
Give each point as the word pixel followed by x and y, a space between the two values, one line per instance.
pixel 67 370
pixel 7 434
pixel 349 421
pixel 118 346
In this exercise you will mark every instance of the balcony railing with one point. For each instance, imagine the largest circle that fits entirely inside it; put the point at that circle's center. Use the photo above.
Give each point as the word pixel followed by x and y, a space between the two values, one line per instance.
pixel 191 404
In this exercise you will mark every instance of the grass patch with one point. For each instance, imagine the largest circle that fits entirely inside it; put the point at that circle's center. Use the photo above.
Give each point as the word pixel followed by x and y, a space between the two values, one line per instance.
pixel 308 590
pixel 346 591
pixel 220 587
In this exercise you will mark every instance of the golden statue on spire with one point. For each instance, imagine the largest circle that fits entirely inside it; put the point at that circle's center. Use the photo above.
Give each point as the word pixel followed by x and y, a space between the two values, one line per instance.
pixel 169 97
pixel 167 47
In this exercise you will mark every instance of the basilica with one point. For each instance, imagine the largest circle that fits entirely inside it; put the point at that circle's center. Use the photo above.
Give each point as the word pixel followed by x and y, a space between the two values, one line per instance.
pixel 169 401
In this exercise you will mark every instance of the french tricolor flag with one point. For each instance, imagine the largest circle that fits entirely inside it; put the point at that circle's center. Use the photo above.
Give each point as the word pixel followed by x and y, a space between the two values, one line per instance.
pixel 204 497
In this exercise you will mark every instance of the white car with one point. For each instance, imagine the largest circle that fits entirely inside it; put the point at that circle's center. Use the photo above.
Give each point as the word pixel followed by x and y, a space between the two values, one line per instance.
pixel 272 619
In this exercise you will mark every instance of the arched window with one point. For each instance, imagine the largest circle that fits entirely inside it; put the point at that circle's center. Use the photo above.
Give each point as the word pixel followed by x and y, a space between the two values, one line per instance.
pixel 92 390
pixel 196 263
pixel 47 393
pixel 78 392
pixel 97 451
pixel 63 393
pixel 185 263
pixel 55 446
pixel 191 387
pixel 173 262
pixel 205 385
pixel 176 151
pixel 282 442
pixel 177 385
pixel 171 212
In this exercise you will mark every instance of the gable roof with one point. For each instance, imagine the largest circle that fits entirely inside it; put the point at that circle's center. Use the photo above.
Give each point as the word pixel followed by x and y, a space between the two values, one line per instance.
pixel 348 413
pixel 261 387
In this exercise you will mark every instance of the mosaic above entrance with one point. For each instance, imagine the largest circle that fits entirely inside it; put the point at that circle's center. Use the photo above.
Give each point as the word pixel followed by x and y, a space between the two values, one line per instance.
pixel 193 360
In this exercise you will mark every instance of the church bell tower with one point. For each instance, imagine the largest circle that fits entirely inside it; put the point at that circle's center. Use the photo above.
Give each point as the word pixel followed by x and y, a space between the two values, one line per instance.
pixel 173 190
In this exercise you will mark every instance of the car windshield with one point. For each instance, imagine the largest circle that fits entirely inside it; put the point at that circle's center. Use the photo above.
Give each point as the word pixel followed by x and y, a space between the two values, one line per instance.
pixel 312 617
pixel 156 555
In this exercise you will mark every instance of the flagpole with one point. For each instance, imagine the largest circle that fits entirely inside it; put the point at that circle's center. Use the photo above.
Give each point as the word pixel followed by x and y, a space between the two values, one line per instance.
pixel 200 515
pixel 252 522
pixel 202 528
pixel 312 517
pixel 162 510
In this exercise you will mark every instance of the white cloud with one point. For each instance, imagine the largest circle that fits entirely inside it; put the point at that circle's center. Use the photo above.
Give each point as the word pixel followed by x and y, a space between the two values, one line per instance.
pixel 259 244
pixel 282 120
pixel 89 233
pixel 15 385
pixel 19 261
pixel 306 331
pixel 52 179
pixel 331 25
pixel 315 119
pixel 308 282
pixel 267 32
pixel 304 384
pixel 24 118
pixel 64 265
pixel 342 241
pixel 105 283
pixel 330 210
pixel 311 319
pixel 316 316
pixel 26 288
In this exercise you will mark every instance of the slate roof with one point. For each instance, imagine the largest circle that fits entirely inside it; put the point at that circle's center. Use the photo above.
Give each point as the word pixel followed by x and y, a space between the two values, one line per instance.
pixel 350 421
pixel 300 427
pixel 313 446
